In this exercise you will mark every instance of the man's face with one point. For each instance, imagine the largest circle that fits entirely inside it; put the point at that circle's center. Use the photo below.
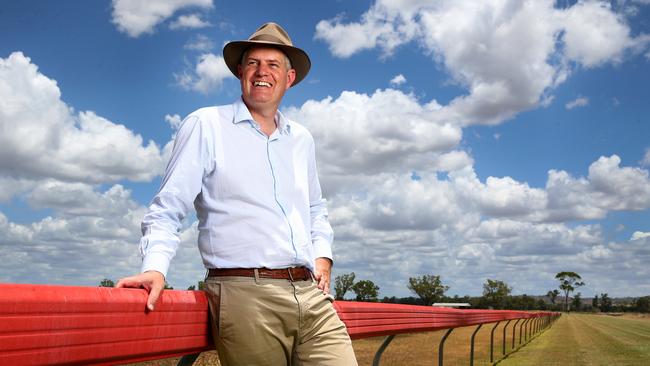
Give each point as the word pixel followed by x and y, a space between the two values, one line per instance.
pixel 264 77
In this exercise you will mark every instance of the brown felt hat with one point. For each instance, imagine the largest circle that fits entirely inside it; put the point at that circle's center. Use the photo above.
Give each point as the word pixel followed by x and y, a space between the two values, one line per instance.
pixel 269 34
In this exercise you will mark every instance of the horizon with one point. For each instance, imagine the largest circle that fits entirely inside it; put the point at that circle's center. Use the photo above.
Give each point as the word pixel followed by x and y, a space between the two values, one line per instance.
pixel 506 140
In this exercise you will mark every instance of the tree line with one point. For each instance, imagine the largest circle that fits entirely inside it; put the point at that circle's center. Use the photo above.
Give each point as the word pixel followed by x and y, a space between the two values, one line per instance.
pixel 429 289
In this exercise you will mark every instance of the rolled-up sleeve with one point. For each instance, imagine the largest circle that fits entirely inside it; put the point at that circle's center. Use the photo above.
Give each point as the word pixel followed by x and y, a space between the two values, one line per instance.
pixel 181 184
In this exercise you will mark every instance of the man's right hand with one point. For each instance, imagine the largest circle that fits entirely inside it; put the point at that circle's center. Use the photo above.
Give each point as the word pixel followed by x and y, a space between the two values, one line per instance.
pixel 152 281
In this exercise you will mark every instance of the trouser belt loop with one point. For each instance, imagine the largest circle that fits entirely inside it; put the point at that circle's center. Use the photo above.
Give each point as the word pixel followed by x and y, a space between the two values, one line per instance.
pixel 256 273
pixel 290 275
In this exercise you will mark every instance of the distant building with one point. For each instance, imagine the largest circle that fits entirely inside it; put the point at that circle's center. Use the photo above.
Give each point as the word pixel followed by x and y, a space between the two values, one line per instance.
pixel 454 305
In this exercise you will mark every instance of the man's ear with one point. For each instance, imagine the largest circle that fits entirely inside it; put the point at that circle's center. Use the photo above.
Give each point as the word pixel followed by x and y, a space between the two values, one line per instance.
pixel 291 77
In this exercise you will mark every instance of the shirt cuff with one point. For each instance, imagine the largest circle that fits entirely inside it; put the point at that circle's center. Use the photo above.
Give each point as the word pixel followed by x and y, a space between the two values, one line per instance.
pixel 155 262
pixel 322 248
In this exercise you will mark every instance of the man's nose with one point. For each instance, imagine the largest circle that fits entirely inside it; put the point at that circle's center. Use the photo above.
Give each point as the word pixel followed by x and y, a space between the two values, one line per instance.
pixel 262 69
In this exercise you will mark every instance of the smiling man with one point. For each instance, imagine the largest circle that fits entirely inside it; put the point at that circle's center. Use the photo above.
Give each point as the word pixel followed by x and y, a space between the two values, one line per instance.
pixel 264 234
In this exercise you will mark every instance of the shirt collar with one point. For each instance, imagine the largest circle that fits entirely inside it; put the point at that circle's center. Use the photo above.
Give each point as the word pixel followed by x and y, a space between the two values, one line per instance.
pixel 242 114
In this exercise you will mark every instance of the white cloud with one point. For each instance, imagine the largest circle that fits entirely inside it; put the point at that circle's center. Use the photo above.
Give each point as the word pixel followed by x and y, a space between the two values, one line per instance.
pixel 11 187
pixel 646 158
pixel 388 130
pixel 135 17
pixel 91 235
pixel 208 74
pixel 608 187
pixel 509 55
pixel 452 225
pixel 80 199
pixel 81 245
pixel 55 159
pixel 638 235
pixel 174 121
pixel 578 102
pixel 200 43
pixel 58 143
pixel 398 80
pixel 594 34
pixel 191 21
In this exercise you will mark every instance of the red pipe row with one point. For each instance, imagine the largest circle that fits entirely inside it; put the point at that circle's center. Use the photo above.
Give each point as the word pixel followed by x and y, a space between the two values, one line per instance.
pixel 44 324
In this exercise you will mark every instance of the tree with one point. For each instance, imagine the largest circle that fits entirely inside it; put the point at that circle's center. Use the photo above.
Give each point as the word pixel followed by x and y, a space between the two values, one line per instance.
pixel 605 303
pixel 643 304
pixel 577 301
pixel 107 283
pixel 191 288
pixel 495 293
pixel 366 290
pixel 343 284
pixel 569 281
pixel 595 303
pixel 552 295
pixel 428 287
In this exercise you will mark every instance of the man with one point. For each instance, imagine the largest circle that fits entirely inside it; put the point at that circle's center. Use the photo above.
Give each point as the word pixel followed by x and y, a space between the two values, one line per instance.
pixel 264 235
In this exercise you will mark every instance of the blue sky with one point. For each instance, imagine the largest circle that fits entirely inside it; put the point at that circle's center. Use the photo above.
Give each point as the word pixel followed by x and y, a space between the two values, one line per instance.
pixel 502 139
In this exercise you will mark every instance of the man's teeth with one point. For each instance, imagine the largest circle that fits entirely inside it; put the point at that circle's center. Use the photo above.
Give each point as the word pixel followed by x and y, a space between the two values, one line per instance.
pixel 262 83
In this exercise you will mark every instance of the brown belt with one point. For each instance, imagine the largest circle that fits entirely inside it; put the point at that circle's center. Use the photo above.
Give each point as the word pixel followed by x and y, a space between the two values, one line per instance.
pixel 291 274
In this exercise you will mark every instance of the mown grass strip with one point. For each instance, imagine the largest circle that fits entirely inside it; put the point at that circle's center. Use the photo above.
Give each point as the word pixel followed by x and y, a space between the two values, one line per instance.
pixel 584 339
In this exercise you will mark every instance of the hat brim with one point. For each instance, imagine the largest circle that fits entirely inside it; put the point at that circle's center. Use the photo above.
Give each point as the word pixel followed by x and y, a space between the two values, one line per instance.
pixel 233 52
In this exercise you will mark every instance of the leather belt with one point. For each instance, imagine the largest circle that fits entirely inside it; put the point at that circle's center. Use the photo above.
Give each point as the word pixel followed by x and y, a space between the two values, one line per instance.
pixel 291 273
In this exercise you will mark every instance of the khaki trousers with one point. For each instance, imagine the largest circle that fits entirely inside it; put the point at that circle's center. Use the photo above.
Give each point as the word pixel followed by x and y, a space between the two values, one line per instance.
pixel 276 322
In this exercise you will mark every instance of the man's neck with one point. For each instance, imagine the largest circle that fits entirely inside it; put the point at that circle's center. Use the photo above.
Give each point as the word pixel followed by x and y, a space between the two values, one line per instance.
pixel 265 118
pixel 266 122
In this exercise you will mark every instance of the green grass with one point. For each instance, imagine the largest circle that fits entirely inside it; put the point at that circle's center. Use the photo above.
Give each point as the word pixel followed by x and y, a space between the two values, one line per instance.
pixel 575 339
pixel 585 339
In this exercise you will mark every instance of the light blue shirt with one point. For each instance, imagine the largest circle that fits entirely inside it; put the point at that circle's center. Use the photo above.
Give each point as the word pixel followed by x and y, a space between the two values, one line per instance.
pixel 258 199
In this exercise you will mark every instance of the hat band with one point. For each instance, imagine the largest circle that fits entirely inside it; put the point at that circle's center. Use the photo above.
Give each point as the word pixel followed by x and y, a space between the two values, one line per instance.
pixel 270 38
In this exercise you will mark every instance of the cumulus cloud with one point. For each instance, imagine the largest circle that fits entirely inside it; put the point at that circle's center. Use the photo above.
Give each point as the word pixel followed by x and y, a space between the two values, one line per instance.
pixel 91 235
pixel 135 17
pixel 10 187
pixel 379 132
pixel 191 21
pixel 57 160
pixel 640 235
pixel 398 80
pixel 594 34
pixel 59 143
pixel 80 199
pixel 578 102
pixel 66 248
pixel 646 158
pixel 463 227
pixel 508 55
pixel 174 121
pixel 208 74
pixel 199 42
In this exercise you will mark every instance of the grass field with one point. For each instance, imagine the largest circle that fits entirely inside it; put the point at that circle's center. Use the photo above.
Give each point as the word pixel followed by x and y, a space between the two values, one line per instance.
pixel 575 339
pixel 581 339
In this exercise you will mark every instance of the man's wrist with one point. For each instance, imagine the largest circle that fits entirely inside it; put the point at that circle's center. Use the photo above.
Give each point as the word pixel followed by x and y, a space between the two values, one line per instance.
pixel 155 271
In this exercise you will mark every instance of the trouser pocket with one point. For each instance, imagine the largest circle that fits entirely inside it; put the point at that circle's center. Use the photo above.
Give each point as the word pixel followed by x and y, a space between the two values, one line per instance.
pixel 213 291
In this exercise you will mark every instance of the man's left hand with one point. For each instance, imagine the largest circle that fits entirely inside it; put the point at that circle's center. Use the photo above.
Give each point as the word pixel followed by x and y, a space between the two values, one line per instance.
pixel 322 273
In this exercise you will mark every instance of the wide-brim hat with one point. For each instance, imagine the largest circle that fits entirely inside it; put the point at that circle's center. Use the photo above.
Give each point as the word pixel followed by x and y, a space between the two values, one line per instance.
pixel 269 34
